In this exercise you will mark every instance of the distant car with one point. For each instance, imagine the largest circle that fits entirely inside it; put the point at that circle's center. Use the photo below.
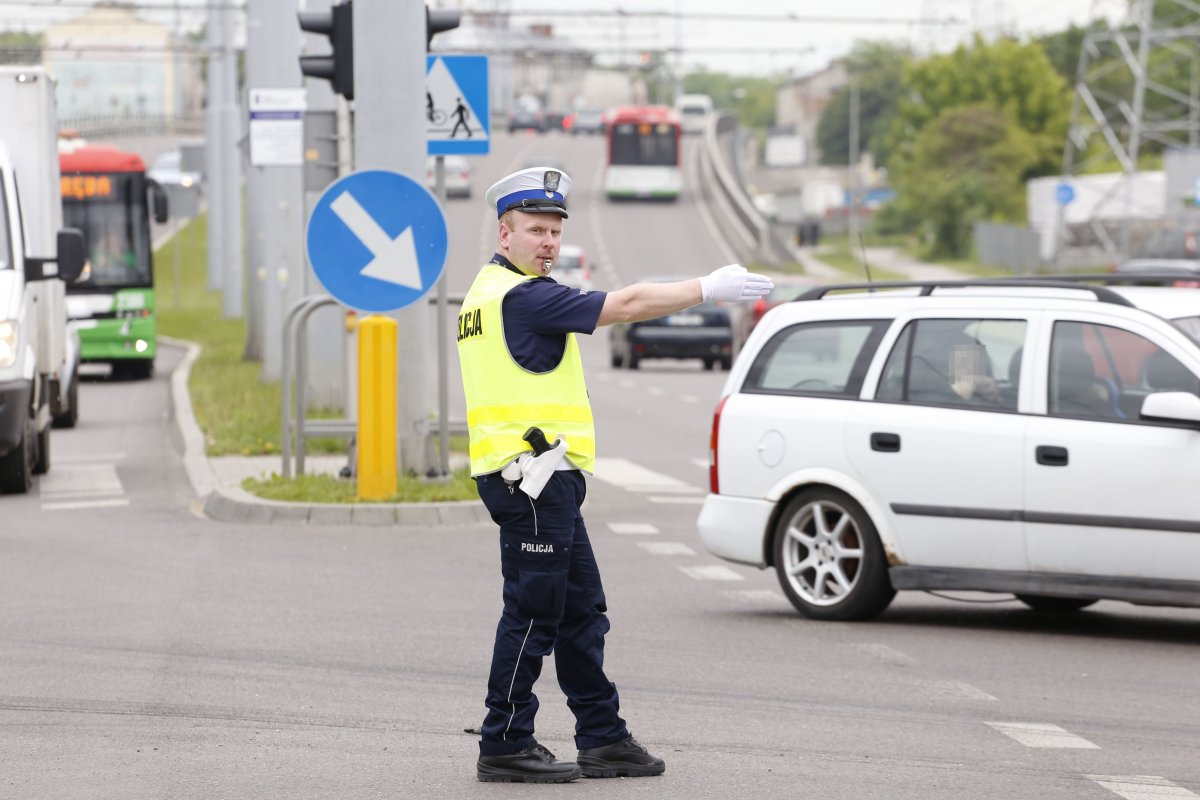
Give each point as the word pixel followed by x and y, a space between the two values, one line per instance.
pixel 746 316
pixel 703 331
pixel 167 172
pixel 572 268
pixel 457 171
pixel 587 120
pixel 1183 266
pixel 528 119
pixel 1171 243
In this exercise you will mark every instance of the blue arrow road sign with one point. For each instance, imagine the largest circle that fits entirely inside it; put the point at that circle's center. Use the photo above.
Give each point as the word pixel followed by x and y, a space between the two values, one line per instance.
pixel 1064 193
pixel 457 118
pixel 376 240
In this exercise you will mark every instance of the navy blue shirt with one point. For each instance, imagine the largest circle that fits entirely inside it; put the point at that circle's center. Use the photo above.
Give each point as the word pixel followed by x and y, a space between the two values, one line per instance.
pixel 538 315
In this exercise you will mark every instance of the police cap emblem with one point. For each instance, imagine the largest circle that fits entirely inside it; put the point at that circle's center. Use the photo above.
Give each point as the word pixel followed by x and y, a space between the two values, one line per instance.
pixel 550 181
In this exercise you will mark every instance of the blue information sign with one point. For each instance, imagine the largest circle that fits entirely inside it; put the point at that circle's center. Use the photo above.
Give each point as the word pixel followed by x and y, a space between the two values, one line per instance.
pixel 457 120
pixel 376 240
pixel 1064 193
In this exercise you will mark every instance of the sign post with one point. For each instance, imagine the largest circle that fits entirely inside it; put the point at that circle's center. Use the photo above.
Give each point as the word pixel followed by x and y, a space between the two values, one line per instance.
pixel 377 242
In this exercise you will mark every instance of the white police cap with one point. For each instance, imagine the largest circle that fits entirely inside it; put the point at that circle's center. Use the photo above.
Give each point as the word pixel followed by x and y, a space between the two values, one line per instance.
pixel 537 190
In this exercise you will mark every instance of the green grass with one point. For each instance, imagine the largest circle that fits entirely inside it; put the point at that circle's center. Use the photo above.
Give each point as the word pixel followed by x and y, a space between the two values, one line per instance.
pixel 839 257
pixel 328 489
pixel 237 411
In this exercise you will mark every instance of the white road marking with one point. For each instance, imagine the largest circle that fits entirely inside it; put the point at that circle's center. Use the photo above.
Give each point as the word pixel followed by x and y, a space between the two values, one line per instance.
pixel 89 458
pixel 711 573
pixel 702 463
pixel 1042 734
pixel 667 548
pixel 962 690
pixel 678 500
pixel 626 383
pixel 689 398
pixel 884 653
pixel 114 503
pixel 657 391
pixel 1142 787
pixel 633 477
pixel 633 528
pixel 754 595
pixel 80 477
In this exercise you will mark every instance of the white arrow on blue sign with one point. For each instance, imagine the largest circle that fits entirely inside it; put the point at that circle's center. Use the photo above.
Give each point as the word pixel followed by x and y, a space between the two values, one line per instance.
pixel 377 240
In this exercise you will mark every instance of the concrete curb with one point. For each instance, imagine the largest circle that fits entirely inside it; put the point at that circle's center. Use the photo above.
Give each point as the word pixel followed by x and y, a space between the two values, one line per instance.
pixel 234 504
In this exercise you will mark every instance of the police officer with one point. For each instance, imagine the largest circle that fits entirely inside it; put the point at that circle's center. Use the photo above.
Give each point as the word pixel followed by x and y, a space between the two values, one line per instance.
pixel 521 368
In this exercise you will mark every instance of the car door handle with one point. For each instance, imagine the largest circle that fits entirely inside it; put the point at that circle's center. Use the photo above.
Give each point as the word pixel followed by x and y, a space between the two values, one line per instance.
pixel 885 442
pixel 1051 456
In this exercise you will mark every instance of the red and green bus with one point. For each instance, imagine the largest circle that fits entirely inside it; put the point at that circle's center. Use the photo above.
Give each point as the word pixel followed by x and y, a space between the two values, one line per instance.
pixel 107 195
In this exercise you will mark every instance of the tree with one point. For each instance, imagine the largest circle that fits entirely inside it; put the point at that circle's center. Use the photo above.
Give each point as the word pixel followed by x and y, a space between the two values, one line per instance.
pixel 878 67
pixel 1013 78
pixel 966 165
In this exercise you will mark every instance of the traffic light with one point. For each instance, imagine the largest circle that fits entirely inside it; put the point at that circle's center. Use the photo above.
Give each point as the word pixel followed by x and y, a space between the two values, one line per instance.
pixel 439 21
pixel 338 67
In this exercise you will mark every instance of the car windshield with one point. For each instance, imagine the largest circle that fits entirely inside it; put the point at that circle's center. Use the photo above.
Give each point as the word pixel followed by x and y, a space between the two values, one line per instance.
pixel 568 261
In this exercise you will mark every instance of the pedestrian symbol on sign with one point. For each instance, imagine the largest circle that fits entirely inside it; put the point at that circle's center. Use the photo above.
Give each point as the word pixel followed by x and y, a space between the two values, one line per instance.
pixel 456 105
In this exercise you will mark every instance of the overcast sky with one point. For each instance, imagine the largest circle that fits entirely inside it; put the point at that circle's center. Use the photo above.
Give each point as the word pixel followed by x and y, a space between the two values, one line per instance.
pixel 765 42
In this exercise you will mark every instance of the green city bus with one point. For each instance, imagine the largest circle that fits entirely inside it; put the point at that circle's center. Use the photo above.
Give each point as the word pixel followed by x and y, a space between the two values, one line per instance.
pixel 107 195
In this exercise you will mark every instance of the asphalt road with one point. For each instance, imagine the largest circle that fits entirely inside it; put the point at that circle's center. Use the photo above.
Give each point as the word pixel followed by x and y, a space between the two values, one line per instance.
pixel 146 652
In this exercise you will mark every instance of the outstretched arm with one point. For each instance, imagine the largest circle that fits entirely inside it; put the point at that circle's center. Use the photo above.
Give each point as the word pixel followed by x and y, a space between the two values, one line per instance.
pixel 643 301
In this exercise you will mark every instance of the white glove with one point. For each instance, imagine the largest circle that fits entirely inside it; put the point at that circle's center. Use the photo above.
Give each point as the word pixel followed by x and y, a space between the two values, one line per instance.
pixel 732 283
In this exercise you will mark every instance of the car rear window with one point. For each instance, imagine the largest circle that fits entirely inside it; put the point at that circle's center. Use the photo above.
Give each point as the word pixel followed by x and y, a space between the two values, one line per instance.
pixel 816 358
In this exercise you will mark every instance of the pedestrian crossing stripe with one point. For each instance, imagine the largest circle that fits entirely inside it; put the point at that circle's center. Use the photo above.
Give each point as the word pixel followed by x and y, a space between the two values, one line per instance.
pixel 457 118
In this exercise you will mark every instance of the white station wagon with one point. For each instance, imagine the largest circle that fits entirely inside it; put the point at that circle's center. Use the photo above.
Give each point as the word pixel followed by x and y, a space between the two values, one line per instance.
pixel 1032 438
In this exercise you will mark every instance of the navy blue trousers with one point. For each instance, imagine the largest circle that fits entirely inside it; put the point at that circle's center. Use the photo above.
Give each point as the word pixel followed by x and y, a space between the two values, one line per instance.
pixel 553 603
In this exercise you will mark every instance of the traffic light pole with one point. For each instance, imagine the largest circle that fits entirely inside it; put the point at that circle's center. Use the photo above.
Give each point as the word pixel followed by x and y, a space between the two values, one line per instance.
pixel 389 133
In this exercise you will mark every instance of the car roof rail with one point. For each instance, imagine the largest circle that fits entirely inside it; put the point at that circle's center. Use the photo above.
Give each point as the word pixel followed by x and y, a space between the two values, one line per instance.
pixel 927 288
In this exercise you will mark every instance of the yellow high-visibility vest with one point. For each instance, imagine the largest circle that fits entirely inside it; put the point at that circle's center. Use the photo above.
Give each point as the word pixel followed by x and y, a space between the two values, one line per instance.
pixel 503 398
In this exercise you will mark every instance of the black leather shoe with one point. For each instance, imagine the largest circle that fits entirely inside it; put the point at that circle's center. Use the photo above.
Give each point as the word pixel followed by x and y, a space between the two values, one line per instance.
pixel 623 759
pixel 534 764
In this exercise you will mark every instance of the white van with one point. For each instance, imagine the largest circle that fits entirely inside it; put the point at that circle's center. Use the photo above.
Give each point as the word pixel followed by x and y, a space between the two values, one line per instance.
pixel 693 111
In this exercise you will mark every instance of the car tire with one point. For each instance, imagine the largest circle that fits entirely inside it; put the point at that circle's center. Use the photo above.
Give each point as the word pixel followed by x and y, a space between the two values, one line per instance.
pixel 68 418
pixel 1049 603
pixel 709 363
pixel 727 363
pixel 632 361
pixel 16 468
pixel 828 558
pixel 615 358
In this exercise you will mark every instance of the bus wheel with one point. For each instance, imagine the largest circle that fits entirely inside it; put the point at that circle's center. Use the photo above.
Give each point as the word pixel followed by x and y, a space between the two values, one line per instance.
pixel 41 460
pixel 68 418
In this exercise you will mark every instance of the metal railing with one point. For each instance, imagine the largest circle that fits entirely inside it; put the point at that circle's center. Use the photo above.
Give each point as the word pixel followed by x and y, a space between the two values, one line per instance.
pixel 297 424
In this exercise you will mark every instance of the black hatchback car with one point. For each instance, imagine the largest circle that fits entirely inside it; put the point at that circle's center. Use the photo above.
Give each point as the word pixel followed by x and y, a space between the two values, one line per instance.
pixel 703 331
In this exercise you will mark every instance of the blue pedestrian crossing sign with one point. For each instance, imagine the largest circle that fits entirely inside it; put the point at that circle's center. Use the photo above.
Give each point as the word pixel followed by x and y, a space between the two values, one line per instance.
pixel 376 240
pixel 457 121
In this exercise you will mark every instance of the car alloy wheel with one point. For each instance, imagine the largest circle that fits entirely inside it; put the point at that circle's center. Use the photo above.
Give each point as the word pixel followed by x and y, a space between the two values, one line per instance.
pixel 828 558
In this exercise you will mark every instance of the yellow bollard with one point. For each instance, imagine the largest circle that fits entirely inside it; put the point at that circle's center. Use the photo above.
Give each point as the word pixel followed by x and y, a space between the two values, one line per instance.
pixel 376 407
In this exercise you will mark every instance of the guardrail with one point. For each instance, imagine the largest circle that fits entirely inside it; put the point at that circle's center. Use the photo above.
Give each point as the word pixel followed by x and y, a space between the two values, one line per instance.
pixel 754 239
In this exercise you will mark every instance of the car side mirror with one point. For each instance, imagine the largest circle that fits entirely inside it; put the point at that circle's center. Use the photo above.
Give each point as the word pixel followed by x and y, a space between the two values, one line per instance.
pixel 1172 406
pixel 158 199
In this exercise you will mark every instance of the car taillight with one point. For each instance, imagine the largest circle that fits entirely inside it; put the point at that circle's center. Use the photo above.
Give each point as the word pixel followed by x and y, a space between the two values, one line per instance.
pixel 714 484
pixel 760 308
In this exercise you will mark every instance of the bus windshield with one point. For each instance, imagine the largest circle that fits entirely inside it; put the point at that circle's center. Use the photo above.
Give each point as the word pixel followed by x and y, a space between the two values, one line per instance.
pixel 110 209
pixel 644 144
